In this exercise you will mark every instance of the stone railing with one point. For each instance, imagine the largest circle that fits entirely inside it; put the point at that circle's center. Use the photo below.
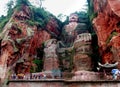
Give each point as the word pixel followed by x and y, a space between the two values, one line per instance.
pixel 86 79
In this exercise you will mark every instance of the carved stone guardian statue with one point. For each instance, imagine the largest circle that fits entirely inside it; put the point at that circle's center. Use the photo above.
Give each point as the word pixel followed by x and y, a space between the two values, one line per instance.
pixel 51 62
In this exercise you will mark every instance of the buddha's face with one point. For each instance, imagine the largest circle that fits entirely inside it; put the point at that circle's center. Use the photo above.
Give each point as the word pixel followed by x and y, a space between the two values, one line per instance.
pixel 73 18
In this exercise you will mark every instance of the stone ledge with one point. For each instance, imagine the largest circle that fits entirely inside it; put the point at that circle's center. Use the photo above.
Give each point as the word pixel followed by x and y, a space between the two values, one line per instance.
pixel 38 80
pixel 65 81
pixel 97 81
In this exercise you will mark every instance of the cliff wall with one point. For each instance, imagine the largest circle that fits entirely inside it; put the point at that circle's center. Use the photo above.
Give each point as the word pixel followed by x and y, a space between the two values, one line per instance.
pixel 107 27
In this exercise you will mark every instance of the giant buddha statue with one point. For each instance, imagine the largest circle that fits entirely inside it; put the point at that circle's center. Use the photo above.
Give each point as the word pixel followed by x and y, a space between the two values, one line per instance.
pixel 72 29
pixel 77 45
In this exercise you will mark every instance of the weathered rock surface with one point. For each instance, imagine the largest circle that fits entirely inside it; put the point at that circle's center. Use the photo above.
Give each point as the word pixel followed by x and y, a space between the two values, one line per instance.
pixel 107 28
pixel 20 41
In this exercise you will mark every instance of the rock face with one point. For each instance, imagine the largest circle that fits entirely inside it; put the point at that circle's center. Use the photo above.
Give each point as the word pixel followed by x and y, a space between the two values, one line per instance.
pixel 107 28
pixel 19 41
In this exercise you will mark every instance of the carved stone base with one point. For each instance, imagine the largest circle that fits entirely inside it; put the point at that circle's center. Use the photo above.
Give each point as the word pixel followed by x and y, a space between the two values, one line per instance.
pixel 52 74
pixel 50 64
pixel 86 76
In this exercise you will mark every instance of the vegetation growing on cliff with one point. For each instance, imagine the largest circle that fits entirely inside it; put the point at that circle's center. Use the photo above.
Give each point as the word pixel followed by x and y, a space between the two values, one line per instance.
pixel 91 14
pixel 40 18
pixel 5 19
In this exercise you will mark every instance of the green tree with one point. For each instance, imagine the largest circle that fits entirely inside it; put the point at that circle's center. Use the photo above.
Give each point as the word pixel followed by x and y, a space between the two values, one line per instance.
pixel 22 2
pixel 40 2
pixel 10 5
pixel 61 17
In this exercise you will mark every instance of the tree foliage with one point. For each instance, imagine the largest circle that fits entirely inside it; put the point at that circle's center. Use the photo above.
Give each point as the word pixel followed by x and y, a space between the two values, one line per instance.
pixel 91 14
pixel 40 2
pixel 10 5
pixel 22 2
pixel 5 19
pixel 39 17
pixel 39 64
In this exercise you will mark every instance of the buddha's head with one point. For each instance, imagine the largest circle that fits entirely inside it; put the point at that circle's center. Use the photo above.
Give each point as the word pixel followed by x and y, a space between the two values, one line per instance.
pixel 73 17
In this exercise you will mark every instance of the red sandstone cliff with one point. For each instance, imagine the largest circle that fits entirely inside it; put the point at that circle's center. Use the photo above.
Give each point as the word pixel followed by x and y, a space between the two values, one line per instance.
pixel 107 28
pixel 19 41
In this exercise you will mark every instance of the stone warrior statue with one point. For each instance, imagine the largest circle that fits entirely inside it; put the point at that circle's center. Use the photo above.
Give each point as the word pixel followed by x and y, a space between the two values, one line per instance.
pixel 51 61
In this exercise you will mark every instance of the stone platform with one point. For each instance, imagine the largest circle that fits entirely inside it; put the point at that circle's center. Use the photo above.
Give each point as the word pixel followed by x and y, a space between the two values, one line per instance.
pixel 86 76
pixel 63 83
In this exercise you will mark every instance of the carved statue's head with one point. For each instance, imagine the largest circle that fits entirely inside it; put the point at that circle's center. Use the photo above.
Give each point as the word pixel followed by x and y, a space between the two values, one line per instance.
pixel 50 42
pixel 73 17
